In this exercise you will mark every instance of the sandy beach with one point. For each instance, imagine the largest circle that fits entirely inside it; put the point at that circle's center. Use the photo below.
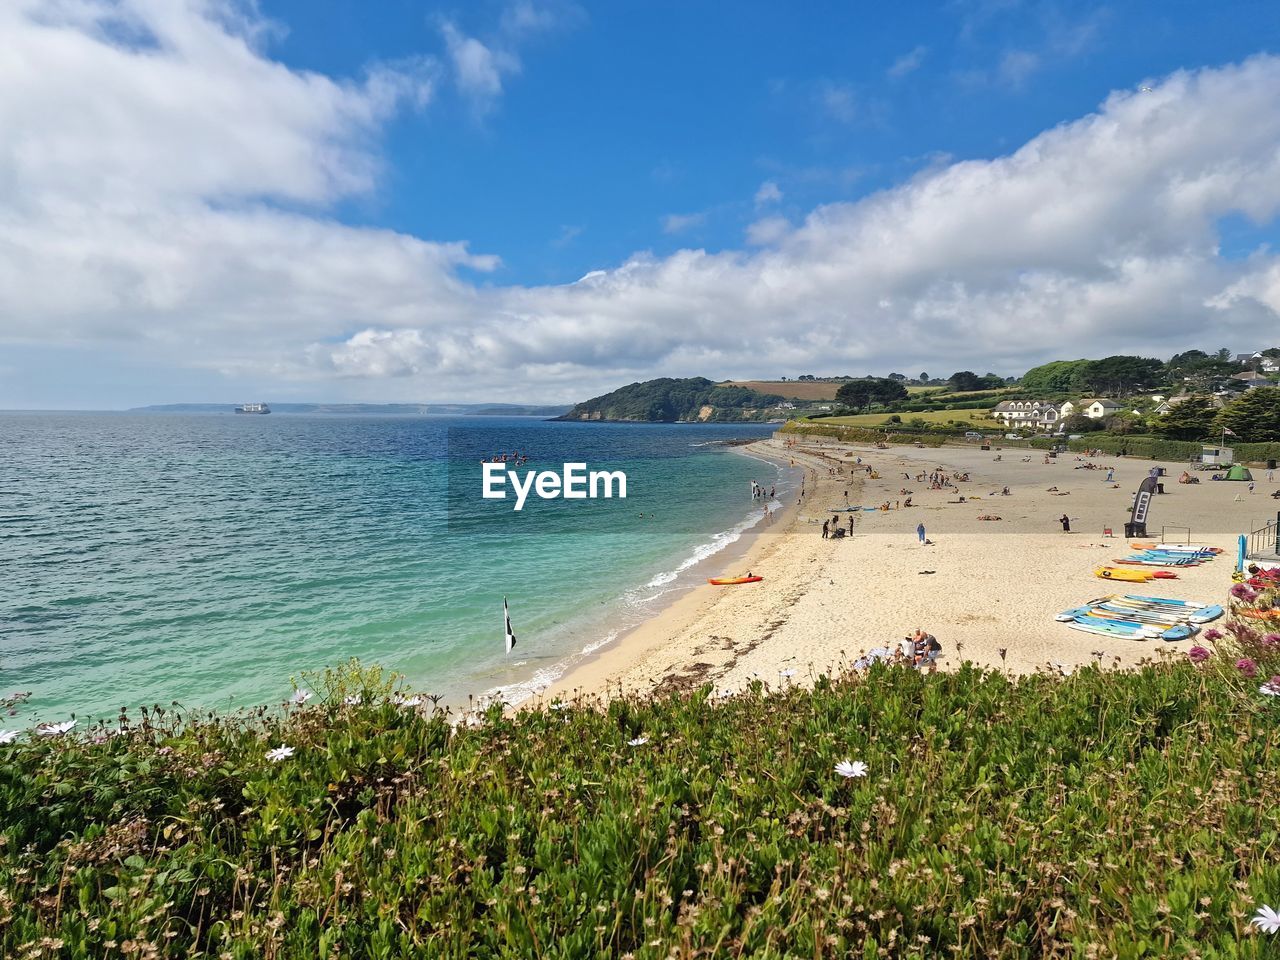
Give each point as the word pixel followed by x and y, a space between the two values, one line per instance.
pixel 981 586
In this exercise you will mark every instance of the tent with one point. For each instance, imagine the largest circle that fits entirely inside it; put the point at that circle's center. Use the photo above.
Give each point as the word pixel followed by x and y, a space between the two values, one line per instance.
pixel 1238 472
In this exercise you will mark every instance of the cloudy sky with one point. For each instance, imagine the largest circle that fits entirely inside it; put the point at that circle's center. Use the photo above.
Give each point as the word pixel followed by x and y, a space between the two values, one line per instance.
pixel 539 200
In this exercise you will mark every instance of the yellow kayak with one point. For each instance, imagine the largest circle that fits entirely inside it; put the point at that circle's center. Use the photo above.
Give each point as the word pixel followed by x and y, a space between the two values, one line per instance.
pixel 1133 576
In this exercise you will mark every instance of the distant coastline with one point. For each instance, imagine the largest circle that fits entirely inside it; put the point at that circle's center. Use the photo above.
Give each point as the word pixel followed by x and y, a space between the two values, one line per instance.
pixel 373 409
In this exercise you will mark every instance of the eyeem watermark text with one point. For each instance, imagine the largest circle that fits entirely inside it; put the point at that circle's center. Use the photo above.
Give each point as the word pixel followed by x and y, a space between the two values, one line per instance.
pixel 574 482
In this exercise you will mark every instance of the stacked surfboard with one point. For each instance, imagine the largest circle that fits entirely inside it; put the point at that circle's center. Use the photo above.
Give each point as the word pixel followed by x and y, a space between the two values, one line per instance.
pixel 1135 617
pixel 1152 562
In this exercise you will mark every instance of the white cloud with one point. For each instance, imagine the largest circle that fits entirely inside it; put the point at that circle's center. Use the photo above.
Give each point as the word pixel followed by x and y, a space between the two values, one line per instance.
pixel 768 193
pixel 477 70
pixel 164 187
pixel 674 223
pixel 1016 66
pixel 909 62
pixel 839 101
pixel 768 230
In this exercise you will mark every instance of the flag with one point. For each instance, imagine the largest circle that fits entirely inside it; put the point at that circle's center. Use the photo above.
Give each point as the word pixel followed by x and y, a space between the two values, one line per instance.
pixel 506 616
pixel 1227 431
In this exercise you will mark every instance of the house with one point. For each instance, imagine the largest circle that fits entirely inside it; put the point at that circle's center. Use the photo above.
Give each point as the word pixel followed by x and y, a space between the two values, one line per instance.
pixel 1066 410
pixel 1099 408
pixel 1031 414
pixel 1259 362
pixel 1166 405
pixel 1252 379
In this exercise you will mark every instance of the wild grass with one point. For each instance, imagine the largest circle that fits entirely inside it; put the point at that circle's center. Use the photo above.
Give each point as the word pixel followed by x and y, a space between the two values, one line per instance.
pixel 1112 813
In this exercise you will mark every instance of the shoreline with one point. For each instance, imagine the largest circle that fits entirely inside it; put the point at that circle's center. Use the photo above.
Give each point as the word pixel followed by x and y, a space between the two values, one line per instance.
pixel 988 588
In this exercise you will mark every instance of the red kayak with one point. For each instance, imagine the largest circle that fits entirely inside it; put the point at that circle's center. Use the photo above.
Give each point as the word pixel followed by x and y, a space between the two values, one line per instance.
pixel 729 581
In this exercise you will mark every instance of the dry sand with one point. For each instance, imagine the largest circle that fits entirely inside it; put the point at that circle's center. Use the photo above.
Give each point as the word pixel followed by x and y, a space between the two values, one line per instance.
pixel 994 584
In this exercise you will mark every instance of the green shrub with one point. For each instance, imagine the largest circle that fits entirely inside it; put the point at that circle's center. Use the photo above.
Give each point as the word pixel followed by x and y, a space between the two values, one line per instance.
pixel 1111 814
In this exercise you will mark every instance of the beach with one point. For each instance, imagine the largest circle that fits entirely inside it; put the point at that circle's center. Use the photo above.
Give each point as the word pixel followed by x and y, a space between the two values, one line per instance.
pixel 987 588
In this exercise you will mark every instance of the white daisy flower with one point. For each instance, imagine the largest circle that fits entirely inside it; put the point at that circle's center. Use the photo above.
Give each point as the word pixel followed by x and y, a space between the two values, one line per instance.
pixel 8 736
pixel 1266 920
pixel 851 768
pixel 353 701
pixel 1270 689
pixel 55 729
pixel 279 753
pixel 300 697
pixel 560 705
pixel 786 673
pixel 407 702
pixel 638 742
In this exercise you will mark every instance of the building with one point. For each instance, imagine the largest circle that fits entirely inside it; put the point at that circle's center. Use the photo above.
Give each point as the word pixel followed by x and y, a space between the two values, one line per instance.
pixel 1258 361
pixel 1166 405
pixel 1252 379
pixel 1066 410
pixel 1099 408
pixel 1029 414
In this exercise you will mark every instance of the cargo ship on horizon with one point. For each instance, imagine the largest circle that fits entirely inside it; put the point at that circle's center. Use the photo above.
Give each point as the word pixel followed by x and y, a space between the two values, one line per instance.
pixel 253 408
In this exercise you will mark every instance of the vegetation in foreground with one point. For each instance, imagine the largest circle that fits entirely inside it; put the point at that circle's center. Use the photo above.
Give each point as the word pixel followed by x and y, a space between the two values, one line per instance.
pixel 1112 813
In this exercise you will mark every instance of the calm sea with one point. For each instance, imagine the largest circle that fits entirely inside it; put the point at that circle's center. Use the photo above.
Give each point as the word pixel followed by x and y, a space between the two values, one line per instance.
pixel 206 559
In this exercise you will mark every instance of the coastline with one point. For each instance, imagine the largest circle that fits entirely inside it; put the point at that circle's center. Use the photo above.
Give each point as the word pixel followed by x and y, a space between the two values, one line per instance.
pixel 989 589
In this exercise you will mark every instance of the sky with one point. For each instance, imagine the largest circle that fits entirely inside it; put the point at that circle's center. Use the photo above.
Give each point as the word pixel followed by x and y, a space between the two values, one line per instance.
pixel 541 200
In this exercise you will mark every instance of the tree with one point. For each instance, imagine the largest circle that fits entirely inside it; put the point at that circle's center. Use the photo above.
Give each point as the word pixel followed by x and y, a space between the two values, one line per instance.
pixel 1119 375
pixel 1254 417
pixel 924 378
pixel 1079 423
pixel 1055 377
pixel 897 376
pixel 860 394
pixel 1192 419
pixel 1223 354
pixel 964 380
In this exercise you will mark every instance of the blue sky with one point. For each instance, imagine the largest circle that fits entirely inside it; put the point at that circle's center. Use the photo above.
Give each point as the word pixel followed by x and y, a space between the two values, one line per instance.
pixel 392 201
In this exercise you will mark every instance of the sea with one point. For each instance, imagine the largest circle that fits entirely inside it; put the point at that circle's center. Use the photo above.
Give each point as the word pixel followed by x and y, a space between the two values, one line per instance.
pixel 215 559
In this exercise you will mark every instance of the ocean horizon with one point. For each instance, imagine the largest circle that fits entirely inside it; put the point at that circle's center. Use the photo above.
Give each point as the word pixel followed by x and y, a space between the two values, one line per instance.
pixel 207 560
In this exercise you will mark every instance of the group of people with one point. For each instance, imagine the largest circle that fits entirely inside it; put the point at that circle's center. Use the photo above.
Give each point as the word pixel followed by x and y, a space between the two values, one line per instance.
pixel 924 649
pixel 515 457
pixel 832 528
pixel 758 492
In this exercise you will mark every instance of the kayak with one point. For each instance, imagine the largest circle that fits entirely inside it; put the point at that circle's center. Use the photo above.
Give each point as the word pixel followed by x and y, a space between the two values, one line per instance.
pixel 1133 576
pixel 730 581
pixel 1176 548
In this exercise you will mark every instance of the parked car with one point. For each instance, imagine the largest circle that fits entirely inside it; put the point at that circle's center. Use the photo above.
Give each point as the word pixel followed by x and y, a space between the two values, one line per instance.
pixel 972 435
pixel 1013 436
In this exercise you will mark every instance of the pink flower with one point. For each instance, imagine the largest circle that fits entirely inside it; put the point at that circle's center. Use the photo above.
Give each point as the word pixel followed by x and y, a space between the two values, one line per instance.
pixel 1271 640
pixel 1198 654
pixel 1247 667
pixel 1213 633
pixel 1242 591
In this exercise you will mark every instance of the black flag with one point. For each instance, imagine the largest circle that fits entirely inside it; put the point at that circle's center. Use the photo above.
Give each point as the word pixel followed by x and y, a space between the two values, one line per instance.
pixel 1141 504
pixel 506 616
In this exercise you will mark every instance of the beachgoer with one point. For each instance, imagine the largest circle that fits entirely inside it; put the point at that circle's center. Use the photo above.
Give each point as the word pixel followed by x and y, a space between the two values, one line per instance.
pixel 920 531
pixel 1066 523
pixel 1251 486
pixel 826 529
pixel 851 524
pixel 1111 474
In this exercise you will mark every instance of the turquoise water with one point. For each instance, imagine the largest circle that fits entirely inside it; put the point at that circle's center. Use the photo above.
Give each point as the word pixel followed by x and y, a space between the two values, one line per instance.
pixel 206 559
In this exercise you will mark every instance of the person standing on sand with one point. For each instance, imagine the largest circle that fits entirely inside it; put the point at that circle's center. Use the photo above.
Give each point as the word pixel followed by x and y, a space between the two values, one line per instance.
pixel 825 528
pixel 920 532
pixel 1066 523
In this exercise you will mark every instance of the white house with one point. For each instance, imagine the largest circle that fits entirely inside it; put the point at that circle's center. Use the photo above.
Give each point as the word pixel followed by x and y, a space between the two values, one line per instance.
pixel 1031 414
pixel 1066 410
pixel 1099 408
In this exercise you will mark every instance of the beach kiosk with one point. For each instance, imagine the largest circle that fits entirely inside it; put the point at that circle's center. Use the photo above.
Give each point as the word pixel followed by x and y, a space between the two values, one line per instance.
pixel 1216 457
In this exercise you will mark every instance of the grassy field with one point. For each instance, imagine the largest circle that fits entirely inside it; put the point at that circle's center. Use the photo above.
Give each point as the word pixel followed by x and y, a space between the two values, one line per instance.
pixel 884 813
pixel 977 418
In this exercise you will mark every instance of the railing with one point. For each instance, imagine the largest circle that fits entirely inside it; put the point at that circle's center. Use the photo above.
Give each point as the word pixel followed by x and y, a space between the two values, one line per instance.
pixel 1265 541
